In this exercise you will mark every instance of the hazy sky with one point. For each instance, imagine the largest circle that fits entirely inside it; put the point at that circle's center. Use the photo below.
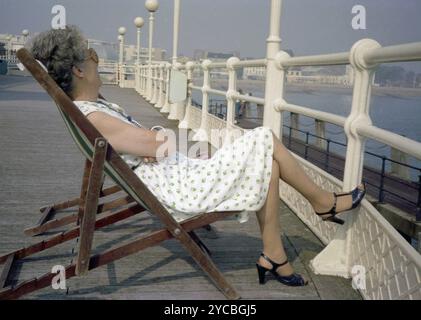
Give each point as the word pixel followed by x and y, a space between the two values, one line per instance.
pixel 307 27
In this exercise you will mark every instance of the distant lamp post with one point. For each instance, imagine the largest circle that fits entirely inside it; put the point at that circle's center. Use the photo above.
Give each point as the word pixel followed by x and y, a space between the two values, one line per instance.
pixel 139 22
pixel 121 32
pixel 151 6
pixel 25 33
pixel 9 47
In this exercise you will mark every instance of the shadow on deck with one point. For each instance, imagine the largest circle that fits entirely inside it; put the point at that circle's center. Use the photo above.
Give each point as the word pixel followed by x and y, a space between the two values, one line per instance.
pixel 40 164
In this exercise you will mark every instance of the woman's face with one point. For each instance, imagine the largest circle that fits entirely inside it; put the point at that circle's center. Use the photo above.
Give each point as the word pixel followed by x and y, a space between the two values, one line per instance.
pixel 90 69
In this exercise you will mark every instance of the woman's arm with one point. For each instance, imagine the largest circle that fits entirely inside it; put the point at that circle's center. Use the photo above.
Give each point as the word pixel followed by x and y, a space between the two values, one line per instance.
pixel 126 138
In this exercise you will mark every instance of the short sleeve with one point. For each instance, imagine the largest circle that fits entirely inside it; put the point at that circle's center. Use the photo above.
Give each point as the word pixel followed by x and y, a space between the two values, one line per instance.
pixel 87 107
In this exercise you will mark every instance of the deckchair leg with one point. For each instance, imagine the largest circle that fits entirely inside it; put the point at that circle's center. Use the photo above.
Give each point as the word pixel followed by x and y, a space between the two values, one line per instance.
pixel 92 182
pixel 6 269
pixel 84 188
pixel 207 265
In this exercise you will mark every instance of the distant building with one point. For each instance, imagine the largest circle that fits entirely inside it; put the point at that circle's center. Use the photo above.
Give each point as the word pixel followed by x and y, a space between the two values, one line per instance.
pixel 254 73
pixel 321 75
pixel 214 56
pixel 109 51
pixel 15 43
pixel 259 73
pixel 200 55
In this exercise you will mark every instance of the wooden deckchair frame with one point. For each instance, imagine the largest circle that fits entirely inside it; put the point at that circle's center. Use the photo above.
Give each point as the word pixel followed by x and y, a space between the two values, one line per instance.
pixel 101 158
pixel 48 222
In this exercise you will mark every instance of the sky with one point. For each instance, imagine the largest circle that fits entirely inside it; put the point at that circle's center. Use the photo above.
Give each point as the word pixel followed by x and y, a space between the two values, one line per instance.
pixel 307 26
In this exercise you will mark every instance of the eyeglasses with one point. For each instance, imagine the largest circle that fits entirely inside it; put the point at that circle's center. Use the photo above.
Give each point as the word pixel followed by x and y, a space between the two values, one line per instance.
pixel 92 55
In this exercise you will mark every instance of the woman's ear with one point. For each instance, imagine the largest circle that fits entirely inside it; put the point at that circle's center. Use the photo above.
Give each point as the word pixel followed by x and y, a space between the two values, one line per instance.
pixel 77 72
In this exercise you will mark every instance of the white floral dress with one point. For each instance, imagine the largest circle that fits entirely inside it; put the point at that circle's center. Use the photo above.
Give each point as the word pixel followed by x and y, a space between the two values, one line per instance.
pixel 235 178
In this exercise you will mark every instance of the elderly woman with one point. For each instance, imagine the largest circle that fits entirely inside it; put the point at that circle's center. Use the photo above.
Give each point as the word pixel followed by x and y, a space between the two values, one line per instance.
pixel 242 175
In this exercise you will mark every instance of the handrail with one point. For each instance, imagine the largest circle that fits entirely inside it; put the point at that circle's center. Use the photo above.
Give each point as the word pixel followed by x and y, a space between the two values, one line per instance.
pixel 397 141
pixel 315 60
pixel 397 53
pixel 305 111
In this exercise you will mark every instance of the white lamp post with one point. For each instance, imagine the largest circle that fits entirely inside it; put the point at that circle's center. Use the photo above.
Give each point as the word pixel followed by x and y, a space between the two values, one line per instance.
pixel 121 32
pixel 176 108
pixel 25 33
pixel 9 48
pixel 151 6
pixel 139 22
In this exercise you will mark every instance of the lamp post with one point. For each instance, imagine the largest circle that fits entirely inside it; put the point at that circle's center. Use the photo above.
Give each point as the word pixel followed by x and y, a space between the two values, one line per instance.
pixel 121 32
pixel 9 48
pixel 176 108
pixel 151 6
pixel 25 33
pixel 139 22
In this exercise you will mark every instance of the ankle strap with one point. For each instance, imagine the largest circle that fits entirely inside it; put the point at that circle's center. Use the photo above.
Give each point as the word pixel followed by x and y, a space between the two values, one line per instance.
pixel 275 265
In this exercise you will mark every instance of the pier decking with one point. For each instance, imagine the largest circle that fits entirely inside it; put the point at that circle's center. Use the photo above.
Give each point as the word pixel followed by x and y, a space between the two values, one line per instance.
pixel 39 165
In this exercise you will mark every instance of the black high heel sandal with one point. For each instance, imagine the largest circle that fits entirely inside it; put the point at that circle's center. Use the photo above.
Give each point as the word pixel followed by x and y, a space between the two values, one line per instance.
pixel 357 197
pixel 293 280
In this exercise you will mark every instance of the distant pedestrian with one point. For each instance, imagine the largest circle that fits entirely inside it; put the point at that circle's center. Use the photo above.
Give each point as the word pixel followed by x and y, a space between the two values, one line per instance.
pixel 238 107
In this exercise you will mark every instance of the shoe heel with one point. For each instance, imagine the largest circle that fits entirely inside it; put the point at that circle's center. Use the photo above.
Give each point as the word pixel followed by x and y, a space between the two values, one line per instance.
pixel 335 220
pixel 262 273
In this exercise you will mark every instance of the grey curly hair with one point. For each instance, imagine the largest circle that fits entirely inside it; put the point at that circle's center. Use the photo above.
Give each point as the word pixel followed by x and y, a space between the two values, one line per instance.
pixel 59 50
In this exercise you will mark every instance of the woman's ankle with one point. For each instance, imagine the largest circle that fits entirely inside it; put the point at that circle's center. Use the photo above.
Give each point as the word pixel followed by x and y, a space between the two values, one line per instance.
pixel 323 202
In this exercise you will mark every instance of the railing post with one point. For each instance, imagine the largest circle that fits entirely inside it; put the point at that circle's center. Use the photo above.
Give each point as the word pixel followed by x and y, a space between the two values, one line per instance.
pixel 177 109
pixel 161 94
pixel 232 91
pixel 327 155
pixel 154 84
pixel 185 123
pixel 202 133
pixel 166 107
pixel 272 118
pixel 143 82
pixel 320 133
pixel 336 256
pixel 396 168
pixel 295 124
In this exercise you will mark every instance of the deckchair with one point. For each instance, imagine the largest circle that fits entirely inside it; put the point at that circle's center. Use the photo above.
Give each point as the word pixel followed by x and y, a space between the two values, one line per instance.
pixel 102 159
pixel 48 222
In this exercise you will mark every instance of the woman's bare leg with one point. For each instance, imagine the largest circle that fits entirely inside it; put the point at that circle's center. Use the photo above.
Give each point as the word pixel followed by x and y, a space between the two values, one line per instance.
pixel 268 218
pixel 286 167
pixel 292 173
